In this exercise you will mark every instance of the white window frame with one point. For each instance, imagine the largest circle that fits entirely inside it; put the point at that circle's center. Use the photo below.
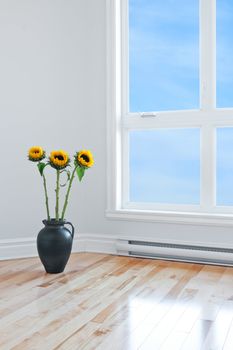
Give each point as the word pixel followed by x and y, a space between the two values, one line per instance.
pixel 120 122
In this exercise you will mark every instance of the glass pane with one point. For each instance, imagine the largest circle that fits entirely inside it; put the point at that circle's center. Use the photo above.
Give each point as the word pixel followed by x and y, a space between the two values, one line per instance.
pixel 225 166
pixel 163 55
pixel 224 53
pixel 165 166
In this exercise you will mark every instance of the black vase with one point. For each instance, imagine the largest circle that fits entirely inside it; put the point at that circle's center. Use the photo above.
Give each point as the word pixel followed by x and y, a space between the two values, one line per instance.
pixel 54 244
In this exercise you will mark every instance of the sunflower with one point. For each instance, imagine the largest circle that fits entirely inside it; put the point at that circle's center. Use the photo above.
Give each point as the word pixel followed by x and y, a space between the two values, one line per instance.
pixel 36 154
pixel 84 158
pixel 59 159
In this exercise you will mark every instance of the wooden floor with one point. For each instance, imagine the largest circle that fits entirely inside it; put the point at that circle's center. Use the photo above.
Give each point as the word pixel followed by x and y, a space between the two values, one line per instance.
pixel 104 302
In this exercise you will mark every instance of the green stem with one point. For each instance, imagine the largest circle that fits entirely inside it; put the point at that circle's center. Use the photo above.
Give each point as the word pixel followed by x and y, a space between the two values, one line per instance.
pixel 57 195
pixel 46 197
pixel 67 194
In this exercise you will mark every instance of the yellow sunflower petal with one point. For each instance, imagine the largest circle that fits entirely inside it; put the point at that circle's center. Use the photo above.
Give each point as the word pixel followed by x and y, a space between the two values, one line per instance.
pixel 85 158
pixel 36 153
pixel 59 159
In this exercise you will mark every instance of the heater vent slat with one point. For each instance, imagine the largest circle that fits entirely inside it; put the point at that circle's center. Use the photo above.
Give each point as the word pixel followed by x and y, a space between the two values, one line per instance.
pixel 175 251
pixel 177 258
pixel 181 246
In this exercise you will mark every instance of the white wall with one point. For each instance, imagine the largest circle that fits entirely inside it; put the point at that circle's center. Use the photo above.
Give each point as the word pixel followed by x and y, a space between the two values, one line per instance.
pixel 52 93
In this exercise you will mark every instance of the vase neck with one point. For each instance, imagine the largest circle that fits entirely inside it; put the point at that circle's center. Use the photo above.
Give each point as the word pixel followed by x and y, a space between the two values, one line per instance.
pixel 54 222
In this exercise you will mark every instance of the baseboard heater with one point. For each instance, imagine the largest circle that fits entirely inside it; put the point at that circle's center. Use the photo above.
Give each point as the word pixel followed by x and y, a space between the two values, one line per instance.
pixel 179 252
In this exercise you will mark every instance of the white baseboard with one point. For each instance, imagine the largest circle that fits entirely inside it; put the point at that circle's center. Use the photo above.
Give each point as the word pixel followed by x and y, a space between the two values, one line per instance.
pixel 99 243
pixel 17 248
pixel 87 242
pixel 26 247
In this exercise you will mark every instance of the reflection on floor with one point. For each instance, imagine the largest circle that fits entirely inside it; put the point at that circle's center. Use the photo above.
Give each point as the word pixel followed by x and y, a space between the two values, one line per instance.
pixel 109 302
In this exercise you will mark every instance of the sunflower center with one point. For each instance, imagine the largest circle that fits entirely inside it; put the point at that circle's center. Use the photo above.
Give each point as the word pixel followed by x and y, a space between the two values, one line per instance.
pixel 85 157
pixel 59 157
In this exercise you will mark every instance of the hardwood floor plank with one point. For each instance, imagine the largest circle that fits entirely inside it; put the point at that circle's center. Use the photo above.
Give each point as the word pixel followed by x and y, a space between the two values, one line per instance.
pixel 197 336
pixel 105 302
pixel 72 280
pixel 130 312
pixel 59 301
pixel 139 324
pixel 229 339
pixel 220 327
pixel 175 341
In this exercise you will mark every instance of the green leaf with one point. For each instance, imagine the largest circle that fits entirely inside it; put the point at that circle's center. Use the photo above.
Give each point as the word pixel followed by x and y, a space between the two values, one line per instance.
pixel 80 172
pixel 41 167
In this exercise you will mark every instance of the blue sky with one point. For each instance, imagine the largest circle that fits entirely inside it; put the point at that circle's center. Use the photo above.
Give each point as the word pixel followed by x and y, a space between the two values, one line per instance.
pixel 164 55
pixel 225 166
pixel 165 166
pixel 164 75
pixel 224 99
pixel 224 53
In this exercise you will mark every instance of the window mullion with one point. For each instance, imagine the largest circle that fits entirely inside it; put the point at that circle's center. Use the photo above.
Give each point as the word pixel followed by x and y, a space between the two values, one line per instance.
pixel 207 54
pixel 208 167
pixel 124 58
pixel 208 102
pixel 125 168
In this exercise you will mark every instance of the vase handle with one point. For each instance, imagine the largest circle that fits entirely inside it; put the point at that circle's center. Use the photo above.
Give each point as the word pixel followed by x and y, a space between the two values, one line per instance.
pixel 72 233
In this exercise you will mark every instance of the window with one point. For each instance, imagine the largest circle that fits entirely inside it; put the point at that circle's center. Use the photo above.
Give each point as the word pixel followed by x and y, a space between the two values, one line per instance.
pixel 162 170
pixel 225 166
pixel 224 53
pixel 163 55
pixel 170 100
